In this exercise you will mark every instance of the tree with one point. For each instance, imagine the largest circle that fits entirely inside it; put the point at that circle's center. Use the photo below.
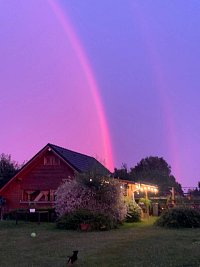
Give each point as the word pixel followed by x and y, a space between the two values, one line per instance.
pixel 8 168
pixel 122 173
pixel 97 194
pixel 155 170
pixel 195 192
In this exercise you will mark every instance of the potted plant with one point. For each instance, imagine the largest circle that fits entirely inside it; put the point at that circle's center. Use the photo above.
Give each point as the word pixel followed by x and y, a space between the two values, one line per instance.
pixel 85 226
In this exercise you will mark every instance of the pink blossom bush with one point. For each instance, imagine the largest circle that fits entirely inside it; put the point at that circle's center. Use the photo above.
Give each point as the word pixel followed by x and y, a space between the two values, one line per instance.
pixel 70 196
pixel 97 194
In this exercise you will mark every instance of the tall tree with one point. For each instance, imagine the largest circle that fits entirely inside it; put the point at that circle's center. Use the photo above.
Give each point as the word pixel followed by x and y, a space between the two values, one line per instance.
pixel 122 173
pixel 157 171
pixel 195 192
pixel 8 168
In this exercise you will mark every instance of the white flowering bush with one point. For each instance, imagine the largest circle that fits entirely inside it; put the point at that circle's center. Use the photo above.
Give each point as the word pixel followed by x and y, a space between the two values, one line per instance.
pixel 71 196
pixel 134 213
pixel 99 195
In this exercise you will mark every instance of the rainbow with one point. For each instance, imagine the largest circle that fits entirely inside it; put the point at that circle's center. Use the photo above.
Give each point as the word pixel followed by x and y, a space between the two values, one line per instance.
pixel 95 92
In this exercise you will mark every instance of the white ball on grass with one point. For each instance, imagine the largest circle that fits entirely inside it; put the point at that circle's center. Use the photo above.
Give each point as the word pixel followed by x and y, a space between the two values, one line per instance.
pixel 33 234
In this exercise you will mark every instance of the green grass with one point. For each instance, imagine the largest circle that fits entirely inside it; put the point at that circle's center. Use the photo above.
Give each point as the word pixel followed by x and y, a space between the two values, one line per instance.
pixel 139 245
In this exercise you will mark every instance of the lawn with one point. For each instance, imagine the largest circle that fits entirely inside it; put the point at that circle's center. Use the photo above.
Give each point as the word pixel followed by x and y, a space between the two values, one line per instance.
pixel 138 245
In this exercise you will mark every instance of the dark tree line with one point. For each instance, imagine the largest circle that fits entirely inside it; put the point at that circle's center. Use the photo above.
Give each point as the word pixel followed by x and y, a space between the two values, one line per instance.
pixel 8 168
pixel 195 192
pixel 153 170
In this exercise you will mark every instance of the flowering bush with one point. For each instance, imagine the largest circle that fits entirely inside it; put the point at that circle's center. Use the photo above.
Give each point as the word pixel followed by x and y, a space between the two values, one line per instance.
pixel 97 194
pixel 134 211
pixel 71 196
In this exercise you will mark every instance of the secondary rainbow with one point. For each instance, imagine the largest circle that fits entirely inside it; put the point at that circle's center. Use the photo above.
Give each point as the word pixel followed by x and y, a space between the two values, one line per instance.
pixel 160 85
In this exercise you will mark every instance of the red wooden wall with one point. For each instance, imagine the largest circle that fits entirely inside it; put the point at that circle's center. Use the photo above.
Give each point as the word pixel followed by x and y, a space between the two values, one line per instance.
pixel 39 175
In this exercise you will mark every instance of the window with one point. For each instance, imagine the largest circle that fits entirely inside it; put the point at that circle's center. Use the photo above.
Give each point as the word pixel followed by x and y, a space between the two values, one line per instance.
pixel 51 160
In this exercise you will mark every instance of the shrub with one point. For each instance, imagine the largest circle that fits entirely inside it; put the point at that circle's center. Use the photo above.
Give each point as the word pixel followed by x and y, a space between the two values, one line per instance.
pixel 133 216
pixel 134 212
pixel 180 217
pixel 97 221
pixel 99 195
pixel 145 201
pixel 103 222
pixel 71 221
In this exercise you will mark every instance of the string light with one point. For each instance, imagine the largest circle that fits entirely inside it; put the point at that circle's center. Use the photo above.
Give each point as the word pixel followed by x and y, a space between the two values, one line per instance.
pixel 147 188
pixel 140 187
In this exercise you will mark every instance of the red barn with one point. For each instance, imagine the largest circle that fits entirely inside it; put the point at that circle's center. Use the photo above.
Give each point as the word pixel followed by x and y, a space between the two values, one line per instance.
pixel 35 184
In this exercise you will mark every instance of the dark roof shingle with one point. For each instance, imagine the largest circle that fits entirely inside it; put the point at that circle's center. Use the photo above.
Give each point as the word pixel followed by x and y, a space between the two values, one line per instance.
pixel 81 162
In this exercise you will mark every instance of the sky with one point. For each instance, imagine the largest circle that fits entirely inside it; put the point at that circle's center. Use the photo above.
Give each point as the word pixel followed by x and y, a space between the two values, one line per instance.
pixel 117 80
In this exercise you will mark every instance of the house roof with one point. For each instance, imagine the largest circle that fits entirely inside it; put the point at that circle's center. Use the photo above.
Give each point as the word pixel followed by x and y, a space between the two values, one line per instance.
pixel 81 162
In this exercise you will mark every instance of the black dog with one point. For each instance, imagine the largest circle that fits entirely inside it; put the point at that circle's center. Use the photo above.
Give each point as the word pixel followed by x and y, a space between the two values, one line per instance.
pixel 73 258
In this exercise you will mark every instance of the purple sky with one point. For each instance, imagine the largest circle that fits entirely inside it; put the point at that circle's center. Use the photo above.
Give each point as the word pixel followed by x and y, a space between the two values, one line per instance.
pixel 144 56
